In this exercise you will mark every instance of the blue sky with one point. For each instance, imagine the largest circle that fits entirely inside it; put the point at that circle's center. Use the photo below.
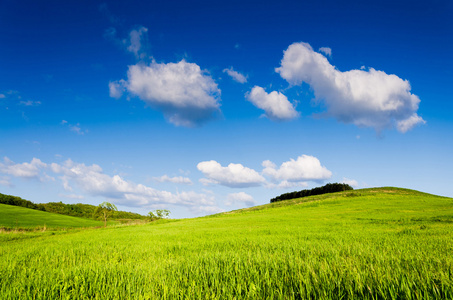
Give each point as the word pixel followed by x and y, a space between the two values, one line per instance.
pixel 208 106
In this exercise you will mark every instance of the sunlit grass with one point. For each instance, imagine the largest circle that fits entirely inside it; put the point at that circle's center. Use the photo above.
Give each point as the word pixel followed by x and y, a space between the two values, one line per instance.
pixel 366 244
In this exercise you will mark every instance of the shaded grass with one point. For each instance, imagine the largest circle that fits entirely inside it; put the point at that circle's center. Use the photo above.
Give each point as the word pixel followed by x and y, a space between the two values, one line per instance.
pixel 369 246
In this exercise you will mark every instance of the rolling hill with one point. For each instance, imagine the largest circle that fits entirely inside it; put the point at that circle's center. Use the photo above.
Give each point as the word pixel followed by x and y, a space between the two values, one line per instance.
pixel 21 217
pixel 383 243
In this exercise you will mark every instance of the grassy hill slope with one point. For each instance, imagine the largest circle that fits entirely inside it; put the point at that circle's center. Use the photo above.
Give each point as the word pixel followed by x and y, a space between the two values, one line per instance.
pixel 366 244
pixel 21 217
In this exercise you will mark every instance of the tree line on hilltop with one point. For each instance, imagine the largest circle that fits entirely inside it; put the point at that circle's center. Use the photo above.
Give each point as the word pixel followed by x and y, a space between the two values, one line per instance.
pixel 328 188
pixel 75 210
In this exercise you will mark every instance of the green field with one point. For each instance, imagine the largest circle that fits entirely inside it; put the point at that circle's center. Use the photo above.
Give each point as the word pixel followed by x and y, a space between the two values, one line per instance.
pixel 15 217
pixel 366 244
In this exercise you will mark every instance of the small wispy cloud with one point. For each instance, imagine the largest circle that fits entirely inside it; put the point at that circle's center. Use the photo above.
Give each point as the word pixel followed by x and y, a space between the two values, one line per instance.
pixel 30 103
pixel 74 128
pixel 235 75
pixel 326 50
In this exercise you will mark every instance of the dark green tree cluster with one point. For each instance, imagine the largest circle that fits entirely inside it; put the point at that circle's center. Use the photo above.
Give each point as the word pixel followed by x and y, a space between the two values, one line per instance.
pixel 328 188
pixel 75 210
pixel 17 201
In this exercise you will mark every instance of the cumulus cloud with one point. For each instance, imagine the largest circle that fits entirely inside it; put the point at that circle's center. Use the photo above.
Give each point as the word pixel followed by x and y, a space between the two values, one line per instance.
pixel 92 180
pixel 176 179
pixel 326 50
pixel 32 169
pixel 2 96
pixel 234 175
pixel 365 98
pixel 276 105
pixel 304 168
pixel 182 91
pixel 235 75
pixel 240 198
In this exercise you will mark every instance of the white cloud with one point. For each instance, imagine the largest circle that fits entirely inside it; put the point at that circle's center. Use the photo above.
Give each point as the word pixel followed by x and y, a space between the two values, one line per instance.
pixel 182 91
pixel 2 96
pixel 305 168
pixel 276 105
pixel 176 179
pixel 240 198
pixel 365 98
pixel 135 43
pixel 24 170
pixel 404 125
pixel 234 175
pixel 116 89
pixel 235 75
pixel 326 50
pixel 351 182
pixel 92 180
pixel 75 128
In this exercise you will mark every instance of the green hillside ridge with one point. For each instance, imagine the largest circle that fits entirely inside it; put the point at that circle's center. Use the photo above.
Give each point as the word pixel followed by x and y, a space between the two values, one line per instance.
pixel 382 243
pixel 20 217
pixel 339 195
pixel 75 210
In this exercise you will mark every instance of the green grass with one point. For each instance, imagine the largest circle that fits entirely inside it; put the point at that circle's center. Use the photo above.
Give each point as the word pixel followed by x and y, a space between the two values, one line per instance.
pixel 16 217
pixel 366 244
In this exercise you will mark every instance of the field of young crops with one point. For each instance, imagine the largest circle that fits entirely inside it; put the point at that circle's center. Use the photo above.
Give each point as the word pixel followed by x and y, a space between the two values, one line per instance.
pixel 366 244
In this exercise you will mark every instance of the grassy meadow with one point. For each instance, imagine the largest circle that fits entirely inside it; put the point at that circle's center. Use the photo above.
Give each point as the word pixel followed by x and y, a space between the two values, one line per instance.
pixel 16 217
pixel 384 243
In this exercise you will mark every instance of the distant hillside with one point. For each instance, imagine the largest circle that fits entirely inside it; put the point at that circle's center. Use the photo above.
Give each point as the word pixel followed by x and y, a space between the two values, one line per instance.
pixel 75 210
pixel 362 194
pixel 21 217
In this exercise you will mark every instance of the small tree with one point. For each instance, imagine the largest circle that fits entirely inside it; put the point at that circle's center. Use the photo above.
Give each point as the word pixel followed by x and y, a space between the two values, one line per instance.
pixel 159 214
pixel 106 209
